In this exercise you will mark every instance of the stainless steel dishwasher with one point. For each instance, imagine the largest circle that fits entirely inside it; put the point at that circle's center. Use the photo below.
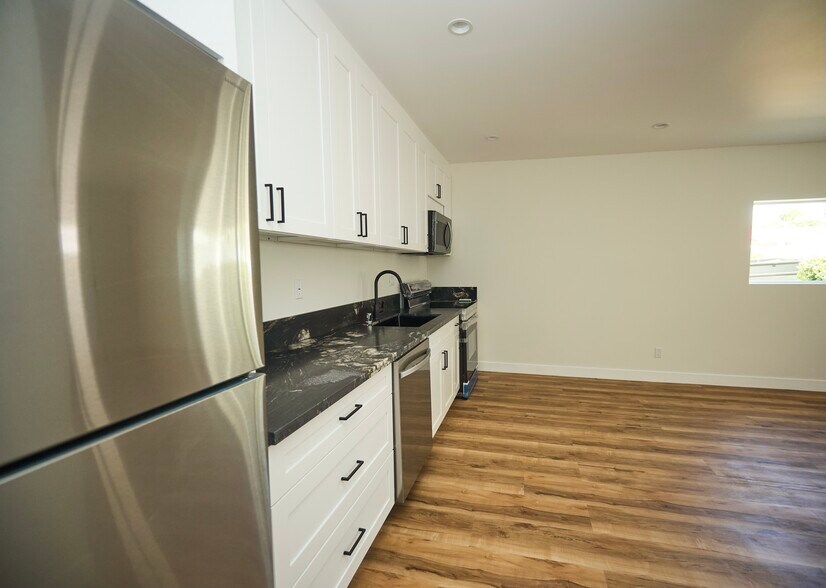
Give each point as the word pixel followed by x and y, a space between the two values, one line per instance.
pixel 412 420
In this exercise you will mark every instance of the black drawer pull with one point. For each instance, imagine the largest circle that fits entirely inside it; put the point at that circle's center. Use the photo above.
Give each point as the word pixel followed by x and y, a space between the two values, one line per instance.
pixel 272 204
pixel 283 210
pixel 350 551
pixel 444 353
pixel 359 463
pixel 351 413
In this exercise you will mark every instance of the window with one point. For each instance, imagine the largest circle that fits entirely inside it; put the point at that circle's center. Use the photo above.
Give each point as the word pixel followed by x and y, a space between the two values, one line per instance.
pixel 788 242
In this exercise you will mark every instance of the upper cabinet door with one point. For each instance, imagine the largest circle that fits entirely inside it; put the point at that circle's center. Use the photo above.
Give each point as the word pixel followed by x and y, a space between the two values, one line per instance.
pixel 420 242
pixel 366 102
pixel 388 159
pixel 408 201
pixel 443 191
pixel 292 113
pixel 431 177
pixel 353 105
pixel 349 219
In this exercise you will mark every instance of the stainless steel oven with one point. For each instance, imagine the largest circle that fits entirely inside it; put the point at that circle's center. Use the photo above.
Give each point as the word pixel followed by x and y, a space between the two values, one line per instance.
pixel 468 351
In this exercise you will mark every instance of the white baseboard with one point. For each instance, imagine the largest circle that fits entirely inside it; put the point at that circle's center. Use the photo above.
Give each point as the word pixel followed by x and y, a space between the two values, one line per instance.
pixel 655 376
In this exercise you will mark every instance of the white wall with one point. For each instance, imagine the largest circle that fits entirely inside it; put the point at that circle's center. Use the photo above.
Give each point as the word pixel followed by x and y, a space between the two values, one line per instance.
pixel 330 276
pixel 585 264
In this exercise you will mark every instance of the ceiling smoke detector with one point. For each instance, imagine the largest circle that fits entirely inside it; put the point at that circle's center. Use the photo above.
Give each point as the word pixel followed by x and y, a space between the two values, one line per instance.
pixel 659 126
pixel 460 26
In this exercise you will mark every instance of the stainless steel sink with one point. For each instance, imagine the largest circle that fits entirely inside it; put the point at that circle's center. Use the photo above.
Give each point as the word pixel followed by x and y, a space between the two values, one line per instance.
pixel 408 320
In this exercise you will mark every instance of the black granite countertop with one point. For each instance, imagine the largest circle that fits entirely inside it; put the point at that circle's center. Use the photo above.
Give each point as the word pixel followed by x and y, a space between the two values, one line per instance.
pixel 311 376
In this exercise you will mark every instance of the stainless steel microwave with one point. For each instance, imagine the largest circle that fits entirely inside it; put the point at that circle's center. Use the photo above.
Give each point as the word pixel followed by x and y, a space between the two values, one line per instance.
pixel 439 233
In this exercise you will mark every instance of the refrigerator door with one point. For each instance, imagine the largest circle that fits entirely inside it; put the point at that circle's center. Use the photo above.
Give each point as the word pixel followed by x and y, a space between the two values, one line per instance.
pixel 128 259
pixel 180 501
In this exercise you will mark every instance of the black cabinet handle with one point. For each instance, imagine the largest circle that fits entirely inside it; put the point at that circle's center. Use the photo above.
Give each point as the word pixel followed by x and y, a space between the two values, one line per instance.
pixel 350 551
pixel 438 190
pixel 444 353
pixel 283 210
pixel 351 413
pixel 272 204
pixel 359 463
pixel 366 225
pixel 405 239
pixel 361 224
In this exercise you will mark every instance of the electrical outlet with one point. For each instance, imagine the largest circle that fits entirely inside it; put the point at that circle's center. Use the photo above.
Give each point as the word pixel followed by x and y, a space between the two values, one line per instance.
pixel 298 290
pixel 658 353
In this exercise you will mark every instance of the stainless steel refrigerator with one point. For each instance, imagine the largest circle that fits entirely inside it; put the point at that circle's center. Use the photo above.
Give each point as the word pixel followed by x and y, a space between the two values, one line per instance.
pixel 132 433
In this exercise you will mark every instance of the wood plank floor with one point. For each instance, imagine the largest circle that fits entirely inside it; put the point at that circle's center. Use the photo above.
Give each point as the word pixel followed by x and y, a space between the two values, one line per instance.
pixel 544 481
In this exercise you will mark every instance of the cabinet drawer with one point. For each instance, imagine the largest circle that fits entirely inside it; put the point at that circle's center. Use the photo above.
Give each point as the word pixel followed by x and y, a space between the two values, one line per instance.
pixel 332 567
pixel 308 513
pixel 290 460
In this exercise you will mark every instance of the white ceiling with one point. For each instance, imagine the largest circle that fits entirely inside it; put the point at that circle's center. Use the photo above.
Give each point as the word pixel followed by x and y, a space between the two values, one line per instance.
pixel 557 78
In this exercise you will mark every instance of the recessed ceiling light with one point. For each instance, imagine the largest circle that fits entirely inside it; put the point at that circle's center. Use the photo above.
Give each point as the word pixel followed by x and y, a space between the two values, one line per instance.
pixel 659 126
pixel 460 26
pixel 492 138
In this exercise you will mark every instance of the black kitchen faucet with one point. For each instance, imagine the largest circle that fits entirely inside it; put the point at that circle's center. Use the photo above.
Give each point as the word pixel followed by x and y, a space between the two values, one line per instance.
pixel 375 316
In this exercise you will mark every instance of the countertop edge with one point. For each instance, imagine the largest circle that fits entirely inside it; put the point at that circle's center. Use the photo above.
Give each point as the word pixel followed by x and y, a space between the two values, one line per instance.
pixel 416 336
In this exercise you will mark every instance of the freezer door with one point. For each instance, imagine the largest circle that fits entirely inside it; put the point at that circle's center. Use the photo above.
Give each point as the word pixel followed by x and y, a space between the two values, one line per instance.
pixel 179 501
pixel 128 259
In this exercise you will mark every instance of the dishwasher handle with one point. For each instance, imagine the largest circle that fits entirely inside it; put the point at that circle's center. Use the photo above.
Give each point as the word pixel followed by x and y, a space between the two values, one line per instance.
pixel 416 367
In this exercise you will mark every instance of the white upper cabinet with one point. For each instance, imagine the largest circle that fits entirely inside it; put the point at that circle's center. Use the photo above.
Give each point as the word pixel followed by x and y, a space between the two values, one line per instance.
pixel 389 210
pixel 337 157
pixel 409 207
pixel 366 98
pixel 210 23
pixel 292 118
pixel 353 102
pixel 420 243
pixel 431 177
pixel 349 220
pixel 444 190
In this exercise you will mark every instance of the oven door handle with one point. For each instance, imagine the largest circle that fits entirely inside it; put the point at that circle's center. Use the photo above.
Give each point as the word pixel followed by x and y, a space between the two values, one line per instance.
pixel 469 322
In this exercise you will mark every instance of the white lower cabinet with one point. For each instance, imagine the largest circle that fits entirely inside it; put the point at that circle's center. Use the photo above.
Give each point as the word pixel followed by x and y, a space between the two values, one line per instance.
pixel 444 371
pixel 339 558
pixel 333 474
